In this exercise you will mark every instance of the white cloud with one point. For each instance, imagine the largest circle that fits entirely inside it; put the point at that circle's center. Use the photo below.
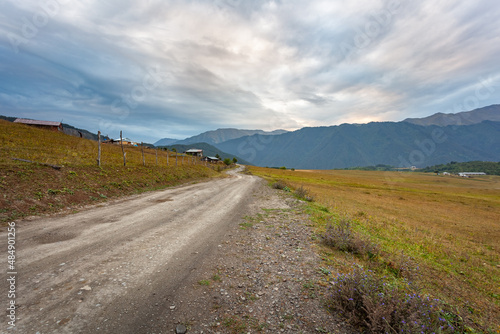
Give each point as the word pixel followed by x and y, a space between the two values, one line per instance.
pixel 247 64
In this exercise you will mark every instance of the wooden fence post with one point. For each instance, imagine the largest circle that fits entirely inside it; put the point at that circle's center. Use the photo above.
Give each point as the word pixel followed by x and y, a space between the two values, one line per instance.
pixel 175 158
pixel 99 148
pixel 123 151
pixel 142 151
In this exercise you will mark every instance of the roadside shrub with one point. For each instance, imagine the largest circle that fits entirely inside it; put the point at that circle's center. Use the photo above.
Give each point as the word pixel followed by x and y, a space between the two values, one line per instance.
pixel 341 236
pixel 279 184
pixel 376 307
pixel 303 193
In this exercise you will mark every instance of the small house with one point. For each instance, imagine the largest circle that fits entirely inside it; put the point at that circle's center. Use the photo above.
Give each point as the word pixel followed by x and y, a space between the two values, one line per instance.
pixel 49 125
pixel 211 159
pixel 195 152
pixel 126 141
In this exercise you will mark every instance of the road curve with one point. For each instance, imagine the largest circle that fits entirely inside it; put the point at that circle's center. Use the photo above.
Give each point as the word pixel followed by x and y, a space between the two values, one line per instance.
pixel 113 268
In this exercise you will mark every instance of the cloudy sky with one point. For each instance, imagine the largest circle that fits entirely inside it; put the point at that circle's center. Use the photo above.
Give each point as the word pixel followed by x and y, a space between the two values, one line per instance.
pixel 172 68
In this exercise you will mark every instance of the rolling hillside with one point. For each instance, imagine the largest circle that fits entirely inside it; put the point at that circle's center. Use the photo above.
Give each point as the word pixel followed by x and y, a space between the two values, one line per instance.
pixel 33 188
pixel 67 129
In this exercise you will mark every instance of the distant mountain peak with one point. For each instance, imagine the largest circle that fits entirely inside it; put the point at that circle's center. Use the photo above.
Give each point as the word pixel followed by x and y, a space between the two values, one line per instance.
pixel 166 142
pixel 221 135
pixel 489 113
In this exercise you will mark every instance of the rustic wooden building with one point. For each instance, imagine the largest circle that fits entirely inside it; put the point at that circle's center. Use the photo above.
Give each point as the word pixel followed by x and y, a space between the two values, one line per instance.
pixel 211 159
pixel 54 126
pixel 195 152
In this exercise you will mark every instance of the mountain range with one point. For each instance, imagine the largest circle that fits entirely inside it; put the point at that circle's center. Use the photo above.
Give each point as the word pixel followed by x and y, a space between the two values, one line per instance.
pixel 216 136
pixel 437 139
pixel 420 142
pixel 401 144
pixel 489 113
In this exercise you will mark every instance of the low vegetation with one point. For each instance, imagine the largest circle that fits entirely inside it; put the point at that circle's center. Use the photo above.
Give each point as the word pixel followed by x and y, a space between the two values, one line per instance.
pixel 379 167
pixel 488 167
pixel 368 302
pixel 36 188
pixel 342 237
pixel 427 246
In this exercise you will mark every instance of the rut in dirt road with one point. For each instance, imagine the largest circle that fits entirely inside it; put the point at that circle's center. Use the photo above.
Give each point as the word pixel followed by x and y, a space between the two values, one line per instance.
pixel 113 268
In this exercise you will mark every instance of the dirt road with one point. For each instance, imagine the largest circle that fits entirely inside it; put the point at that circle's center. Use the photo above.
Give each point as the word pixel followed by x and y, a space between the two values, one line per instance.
pixel 115 268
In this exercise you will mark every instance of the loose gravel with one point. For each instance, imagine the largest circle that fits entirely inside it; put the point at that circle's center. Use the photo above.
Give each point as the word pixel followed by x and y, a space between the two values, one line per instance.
pixel 265 277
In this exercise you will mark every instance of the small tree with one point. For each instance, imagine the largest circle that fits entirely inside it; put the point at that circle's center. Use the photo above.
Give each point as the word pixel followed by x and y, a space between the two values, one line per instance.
pixel 217 156
pixel 235 160
pixel 227 161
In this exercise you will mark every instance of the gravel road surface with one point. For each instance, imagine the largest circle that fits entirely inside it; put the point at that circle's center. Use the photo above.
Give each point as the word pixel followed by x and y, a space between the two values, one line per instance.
pixel 116 267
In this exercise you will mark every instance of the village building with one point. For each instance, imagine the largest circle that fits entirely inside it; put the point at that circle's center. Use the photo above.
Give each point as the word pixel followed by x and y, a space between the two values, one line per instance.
pixel 126 141
pixel 49 125
pixel 211 159
pixel 195 152
pixel 469 174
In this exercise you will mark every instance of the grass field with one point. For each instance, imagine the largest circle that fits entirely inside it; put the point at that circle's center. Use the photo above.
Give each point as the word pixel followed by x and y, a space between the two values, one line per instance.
pixel 34 188
pixel 448 226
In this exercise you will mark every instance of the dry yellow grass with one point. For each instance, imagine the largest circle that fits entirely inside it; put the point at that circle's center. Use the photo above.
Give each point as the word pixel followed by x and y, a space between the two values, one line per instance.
pixel 25 142
pixel 32 189
pixel 450 225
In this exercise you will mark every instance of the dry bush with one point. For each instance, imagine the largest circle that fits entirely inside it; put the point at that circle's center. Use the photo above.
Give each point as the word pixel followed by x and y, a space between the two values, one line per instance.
pixel 376 307
pixel 341 236
pixel 304 194
pixel 279 184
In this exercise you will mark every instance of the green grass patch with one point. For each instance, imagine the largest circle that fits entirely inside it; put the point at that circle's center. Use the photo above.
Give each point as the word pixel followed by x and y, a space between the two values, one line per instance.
pixel 246 225
pixel 204 282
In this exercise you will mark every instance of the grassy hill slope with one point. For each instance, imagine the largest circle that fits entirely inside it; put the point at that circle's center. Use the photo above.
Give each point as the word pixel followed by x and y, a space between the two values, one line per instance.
pixel 67 129
pixel 33 188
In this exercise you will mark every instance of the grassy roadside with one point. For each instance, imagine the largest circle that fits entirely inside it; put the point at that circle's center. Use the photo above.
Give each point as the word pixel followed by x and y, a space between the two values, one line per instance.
pixel 441 233
pixel 28 189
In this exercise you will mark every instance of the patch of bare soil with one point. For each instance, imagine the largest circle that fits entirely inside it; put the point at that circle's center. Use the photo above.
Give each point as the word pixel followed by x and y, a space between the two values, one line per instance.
pixel 264 278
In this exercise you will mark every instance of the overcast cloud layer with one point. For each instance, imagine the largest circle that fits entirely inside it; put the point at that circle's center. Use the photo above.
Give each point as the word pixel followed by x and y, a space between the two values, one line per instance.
pixel 177 68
